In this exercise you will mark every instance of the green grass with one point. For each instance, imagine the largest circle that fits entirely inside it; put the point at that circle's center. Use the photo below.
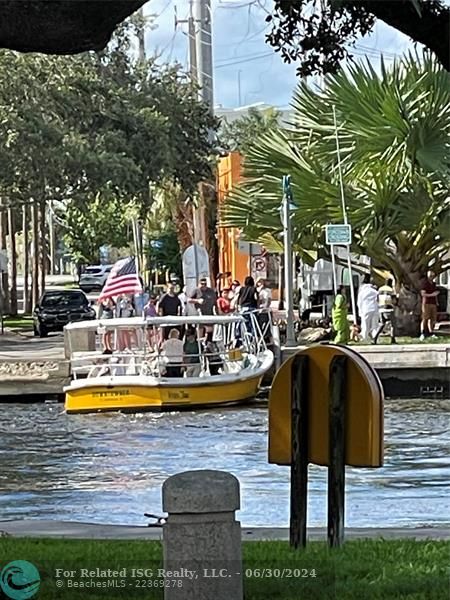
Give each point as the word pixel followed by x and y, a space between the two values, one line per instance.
pixel 382 341
pixel 362 570
pixel 19 322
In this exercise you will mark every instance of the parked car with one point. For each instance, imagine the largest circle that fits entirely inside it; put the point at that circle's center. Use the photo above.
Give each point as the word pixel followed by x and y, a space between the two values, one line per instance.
pixel 94 277
pixel 57 308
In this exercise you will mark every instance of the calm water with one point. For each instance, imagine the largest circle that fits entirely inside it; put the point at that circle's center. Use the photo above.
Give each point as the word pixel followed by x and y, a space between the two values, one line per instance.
pixel 110 467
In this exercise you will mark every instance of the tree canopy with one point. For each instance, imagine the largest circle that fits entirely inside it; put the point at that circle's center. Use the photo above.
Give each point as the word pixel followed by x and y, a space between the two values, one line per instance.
pixel 393 132
pixel 318 33
pixel 97 133
pixel 239 134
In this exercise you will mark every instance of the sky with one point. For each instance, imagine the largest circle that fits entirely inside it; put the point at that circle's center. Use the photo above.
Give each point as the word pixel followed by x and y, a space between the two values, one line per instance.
pixel 246 69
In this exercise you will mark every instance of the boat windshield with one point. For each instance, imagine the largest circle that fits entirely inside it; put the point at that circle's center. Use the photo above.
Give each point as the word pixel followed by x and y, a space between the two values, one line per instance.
pixel 174 347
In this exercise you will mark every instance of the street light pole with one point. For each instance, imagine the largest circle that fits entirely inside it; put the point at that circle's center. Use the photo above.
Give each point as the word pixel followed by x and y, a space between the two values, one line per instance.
pixel 289 295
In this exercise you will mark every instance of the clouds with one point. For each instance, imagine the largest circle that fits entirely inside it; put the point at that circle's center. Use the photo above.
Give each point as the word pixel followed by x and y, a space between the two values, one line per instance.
pixel 245 66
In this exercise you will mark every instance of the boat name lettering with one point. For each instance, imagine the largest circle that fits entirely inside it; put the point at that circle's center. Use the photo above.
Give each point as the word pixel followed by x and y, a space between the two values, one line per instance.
pixel 110 393
pixel 178 395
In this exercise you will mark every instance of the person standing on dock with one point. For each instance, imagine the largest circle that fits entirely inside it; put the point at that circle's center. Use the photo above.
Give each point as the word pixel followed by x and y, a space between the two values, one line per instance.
pixel 387 300
pixel 368 309
pixel 429 293
pixel 339 318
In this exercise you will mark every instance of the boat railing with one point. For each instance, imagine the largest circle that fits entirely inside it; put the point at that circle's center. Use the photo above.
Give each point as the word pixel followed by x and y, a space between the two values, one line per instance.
pixel 155 363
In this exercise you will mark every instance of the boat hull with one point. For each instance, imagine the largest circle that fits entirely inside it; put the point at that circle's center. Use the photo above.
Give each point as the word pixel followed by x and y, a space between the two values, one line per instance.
pixel 137 398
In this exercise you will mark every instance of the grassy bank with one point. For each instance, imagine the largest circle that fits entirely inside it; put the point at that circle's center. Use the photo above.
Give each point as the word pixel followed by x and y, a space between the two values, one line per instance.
pixel 19 322
pixel 369 569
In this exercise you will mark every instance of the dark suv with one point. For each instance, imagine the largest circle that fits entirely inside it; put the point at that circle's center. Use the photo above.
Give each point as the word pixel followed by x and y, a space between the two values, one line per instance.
pixel 58 308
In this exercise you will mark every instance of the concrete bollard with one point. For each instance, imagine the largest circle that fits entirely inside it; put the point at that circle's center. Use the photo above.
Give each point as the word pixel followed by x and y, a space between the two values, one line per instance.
pixel 202 536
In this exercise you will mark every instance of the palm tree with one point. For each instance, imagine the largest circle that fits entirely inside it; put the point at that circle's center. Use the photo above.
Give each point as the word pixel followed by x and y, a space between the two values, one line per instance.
pixel 393 132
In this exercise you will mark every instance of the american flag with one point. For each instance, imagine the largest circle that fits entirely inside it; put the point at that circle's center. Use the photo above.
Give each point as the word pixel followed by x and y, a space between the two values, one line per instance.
pixel 123 279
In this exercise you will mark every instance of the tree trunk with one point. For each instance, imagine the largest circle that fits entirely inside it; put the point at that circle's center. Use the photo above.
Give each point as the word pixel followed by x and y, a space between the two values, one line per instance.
pixel 35 264
pixel 408 312
pixel 43 244
pixel 13 263
pixel 27 301
pixel 4 288
pixel 182 216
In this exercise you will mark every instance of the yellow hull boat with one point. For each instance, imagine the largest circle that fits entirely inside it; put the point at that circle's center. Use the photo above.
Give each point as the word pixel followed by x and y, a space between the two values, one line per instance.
pixel 134 379
pixel 136 398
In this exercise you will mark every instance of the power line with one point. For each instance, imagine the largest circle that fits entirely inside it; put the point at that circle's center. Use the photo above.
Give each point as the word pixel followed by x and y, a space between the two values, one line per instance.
pixel 243 59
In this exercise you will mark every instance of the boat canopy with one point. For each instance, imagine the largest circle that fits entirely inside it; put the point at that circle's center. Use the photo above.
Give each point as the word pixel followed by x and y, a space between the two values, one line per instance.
pixel 161 321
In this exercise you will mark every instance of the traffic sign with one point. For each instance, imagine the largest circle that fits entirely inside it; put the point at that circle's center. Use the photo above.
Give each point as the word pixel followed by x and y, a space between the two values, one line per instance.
pixel 338 234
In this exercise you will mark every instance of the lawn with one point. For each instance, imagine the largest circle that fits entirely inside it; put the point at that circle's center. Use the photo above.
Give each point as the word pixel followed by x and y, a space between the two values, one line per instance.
pixel 362 570
pixel 386 341
pixel 19 322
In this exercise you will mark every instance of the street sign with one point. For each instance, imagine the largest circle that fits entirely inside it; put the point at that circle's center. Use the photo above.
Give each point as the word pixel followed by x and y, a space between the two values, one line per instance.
pixel 259 267
pixel 338 234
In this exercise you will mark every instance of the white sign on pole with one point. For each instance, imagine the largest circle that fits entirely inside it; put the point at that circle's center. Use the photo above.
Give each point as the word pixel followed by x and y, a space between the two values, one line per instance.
pixel 3 261
pixel 195 266
pixel 259 267
pixel 338 234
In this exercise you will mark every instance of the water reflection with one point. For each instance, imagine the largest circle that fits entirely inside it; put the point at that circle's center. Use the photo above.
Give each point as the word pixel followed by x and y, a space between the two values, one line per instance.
pixel 110 468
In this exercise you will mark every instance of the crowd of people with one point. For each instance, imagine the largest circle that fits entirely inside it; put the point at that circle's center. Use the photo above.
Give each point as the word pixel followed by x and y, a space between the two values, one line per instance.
pixel 376 309
pixel 181 345
pixel 204 300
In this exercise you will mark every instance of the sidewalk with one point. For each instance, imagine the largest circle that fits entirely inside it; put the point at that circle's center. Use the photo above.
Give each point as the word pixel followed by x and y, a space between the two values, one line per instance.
pixel 76 530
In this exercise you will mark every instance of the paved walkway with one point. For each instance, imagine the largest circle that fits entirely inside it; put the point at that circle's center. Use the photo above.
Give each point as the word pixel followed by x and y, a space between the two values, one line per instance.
pixel 75 530
pixel 26 347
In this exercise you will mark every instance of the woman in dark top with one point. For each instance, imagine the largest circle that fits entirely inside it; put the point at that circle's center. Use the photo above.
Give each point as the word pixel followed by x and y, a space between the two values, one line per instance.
pixel 248 296
pixel 248 301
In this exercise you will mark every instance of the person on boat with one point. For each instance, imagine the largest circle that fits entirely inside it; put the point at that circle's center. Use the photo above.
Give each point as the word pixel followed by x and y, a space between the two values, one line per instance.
pixel 248 296
pixel 140 299
pixel 204 298
pixel 339 314
pixel 234 293
pixel 215 362
pixel 247 300
pixel 150 308
pixel 224 302
pixel 125 310
pixel 169 306
pixel 106 311
pixel 149 313
pixel 264 305
pixel 172 349
pixel 191 352
pixel 264 294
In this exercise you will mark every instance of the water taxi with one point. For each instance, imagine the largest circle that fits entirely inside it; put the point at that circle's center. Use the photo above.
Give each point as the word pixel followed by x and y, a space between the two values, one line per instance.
pixel 136 364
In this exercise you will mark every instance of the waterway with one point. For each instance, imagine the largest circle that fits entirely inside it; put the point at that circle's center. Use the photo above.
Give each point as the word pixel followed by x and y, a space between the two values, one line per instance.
pixel 109 468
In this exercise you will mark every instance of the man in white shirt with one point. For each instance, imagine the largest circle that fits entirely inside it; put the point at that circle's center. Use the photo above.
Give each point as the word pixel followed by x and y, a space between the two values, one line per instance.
pixel 368 309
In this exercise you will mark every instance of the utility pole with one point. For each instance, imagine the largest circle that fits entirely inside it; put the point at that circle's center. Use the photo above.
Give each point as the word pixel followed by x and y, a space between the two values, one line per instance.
pixel 141 34
pixel 203 44
pixel 192 47
pixel 288 267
